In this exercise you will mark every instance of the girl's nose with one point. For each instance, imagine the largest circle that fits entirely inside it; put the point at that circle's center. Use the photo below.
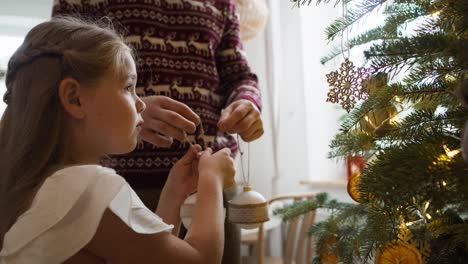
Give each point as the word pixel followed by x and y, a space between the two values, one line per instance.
pixel 140 105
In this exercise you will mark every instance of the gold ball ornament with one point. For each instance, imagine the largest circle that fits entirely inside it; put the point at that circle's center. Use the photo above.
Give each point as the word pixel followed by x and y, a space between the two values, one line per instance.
pixel 253 17
pixel 376 121
pixel 248 210
pixel 399 253
pixel 352 186
pixel 328 257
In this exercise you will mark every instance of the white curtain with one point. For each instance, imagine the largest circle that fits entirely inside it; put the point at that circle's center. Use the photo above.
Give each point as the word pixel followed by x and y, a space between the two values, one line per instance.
pixel 299 124
pixel 302 122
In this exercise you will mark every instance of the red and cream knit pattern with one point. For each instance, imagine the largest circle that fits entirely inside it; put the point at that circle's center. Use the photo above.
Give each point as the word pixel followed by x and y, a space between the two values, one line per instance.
pixel 188 50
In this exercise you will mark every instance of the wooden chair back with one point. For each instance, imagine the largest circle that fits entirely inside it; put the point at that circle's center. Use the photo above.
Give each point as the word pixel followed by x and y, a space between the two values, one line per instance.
pixel 297 245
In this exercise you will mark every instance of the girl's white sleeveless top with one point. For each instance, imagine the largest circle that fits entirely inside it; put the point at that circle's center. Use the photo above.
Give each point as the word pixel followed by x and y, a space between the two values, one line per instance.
pixel 66 212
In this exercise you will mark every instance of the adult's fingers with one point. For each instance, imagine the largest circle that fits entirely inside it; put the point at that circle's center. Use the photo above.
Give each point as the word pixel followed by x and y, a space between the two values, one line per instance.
pixel 251 129
pixel 257 134
pixel 247 123
pixel 230 118
pixel 175 119
pixel 165 129
pixel 182 109
pixel 155 139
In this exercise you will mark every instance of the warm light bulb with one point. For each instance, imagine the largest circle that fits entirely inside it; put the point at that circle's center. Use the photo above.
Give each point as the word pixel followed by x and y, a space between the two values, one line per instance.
pixel 428 216
pixel 451 153
pixel 450 77
pixel 426 205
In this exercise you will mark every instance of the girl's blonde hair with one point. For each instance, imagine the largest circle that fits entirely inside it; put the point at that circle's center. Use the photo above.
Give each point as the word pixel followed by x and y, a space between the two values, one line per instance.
pixel 33 135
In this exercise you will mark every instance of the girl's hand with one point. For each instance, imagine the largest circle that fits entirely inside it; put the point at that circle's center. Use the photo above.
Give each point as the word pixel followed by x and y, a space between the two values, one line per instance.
pixel 183 177
pixel 219 167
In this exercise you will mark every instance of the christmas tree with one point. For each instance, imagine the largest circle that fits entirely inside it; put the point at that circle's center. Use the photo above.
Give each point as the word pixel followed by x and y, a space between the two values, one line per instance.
pixel 413 192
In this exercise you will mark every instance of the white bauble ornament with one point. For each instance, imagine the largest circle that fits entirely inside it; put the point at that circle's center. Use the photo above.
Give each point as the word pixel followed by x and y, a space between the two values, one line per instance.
pixel 253 17
pixel 248 210
pixel 186 210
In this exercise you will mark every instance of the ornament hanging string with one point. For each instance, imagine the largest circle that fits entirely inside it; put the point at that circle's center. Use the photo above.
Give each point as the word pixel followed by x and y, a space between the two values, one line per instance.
pixel 344 17
pixel 244 178
pixel 348 84
pixel 248 209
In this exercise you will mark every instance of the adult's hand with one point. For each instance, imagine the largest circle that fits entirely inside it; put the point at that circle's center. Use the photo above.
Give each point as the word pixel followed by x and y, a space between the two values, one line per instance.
pixel 242 117
pixel 166 119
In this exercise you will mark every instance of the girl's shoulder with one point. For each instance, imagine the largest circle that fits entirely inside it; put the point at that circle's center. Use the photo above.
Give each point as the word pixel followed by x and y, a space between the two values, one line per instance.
pixel 90 170
pixel 69 204
pixel 75 180
pixel 67 211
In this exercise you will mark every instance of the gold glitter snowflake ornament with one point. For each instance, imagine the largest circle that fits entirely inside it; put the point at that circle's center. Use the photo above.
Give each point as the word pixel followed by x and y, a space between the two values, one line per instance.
pixel 348 85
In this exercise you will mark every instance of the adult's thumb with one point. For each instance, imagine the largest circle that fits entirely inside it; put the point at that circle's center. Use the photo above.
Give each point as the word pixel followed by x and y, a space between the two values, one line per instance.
pixel 227 112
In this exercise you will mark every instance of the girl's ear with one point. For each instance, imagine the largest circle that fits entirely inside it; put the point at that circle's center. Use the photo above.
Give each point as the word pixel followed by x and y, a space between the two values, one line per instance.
pixel 69 94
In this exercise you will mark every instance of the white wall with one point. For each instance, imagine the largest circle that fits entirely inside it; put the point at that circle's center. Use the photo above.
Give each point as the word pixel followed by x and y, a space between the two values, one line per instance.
pixel 291 49
pixel 261 151
pixel 322 117
pixel 290 52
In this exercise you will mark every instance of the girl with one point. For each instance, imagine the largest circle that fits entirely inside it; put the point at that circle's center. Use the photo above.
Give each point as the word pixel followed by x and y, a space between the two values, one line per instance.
pixel 71 99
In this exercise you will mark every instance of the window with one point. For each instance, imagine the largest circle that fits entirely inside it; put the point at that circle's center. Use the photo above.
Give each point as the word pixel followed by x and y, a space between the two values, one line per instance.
pixel 16 19
pixel 323 118
pixel 9 45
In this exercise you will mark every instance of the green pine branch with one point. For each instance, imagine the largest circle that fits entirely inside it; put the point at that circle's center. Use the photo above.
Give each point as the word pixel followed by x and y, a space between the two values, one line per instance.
pixel 356 144
pixel 355 13
pixel 381 100
pixel 388 31
pixel 392 57
pixel 425 124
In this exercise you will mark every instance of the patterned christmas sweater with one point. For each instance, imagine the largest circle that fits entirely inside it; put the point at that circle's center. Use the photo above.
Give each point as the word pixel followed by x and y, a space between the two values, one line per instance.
pixel 186 49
